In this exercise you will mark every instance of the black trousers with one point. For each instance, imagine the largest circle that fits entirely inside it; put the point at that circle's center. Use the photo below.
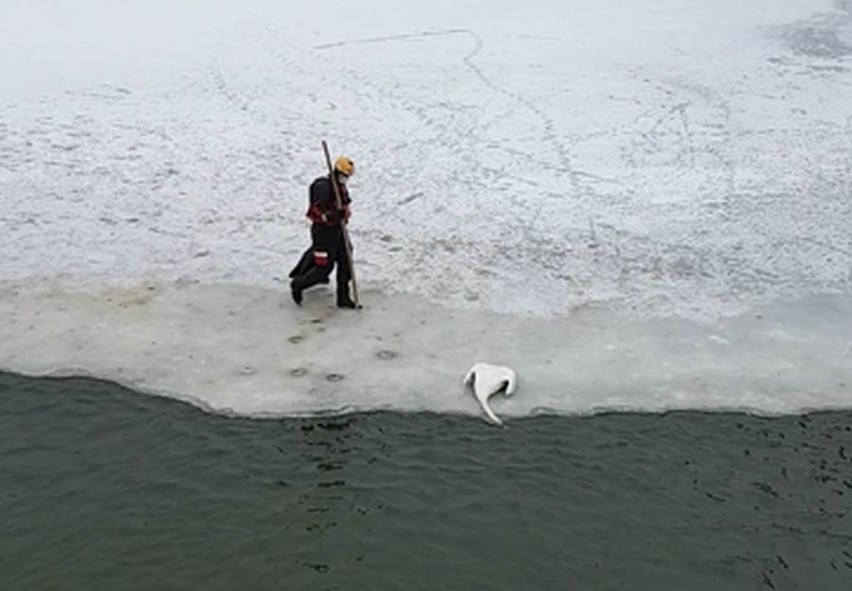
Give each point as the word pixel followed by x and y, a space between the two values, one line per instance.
pixel 313 268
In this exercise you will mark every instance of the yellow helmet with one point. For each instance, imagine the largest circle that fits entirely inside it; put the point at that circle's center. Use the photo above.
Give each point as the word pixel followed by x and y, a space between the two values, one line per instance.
pixel 345 166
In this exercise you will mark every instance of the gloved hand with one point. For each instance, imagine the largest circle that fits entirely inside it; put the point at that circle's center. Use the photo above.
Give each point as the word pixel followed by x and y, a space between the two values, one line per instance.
pixel 335 216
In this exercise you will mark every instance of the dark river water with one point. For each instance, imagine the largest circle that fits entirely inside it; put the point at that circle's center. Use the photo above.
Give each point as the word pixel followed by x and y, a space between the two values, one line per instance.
pixel 105 488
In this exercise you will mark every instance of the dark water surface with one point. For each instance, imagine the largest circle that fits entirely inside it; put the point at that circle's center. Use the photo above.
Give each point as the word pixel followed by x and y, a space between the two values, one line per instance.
pixel 103 488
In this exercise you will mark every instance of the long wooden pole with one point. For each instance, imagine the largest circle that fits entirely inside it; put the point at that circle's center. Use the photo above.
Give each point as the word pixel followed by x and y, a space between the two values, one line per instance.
pixel 343 224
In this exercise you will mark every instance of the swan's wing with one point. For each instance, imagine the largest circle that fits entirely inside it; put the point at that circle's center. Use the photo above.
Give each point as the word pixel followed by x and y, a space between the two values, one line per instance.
pixel 511 383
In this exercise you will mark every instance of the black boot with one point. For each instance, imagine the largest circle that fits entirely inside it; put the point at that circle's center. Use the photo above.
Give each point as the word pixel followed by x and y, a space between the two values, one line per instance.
pixel 344 301
pixel 296 292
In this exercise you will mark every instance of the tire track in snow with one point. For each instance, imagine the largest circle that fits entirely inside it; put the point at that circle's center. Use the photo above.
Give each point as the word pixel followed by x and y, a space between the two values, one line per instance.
pixel 550 134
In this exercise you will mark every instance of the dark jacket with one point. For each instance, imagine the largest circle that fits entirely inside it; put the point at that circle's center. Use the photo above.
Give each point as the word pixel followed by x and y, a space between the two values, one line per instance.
pixel 322 208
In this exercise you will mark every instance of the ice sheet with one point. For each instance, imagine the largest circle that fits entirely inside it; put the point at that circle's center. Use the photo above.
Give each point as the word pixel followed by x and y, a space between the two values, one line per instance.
pixel 246 350
pixel 661 165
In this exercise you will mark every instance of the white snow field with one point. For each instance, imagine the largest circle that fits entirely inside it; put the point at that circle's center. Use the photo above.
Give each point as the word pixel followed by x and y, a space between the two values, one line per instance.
pixel 640 204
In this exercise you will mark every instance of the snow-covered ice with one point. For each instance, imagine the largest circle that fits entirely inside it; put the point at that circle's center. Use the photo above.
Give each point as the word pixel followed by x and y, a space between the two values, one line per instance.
pixel 635 204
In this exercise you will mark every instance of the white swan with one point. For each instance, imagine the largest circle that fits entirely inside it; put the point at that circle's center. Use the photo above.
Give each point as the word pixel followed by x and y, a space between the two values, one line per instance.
pixel 487 380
